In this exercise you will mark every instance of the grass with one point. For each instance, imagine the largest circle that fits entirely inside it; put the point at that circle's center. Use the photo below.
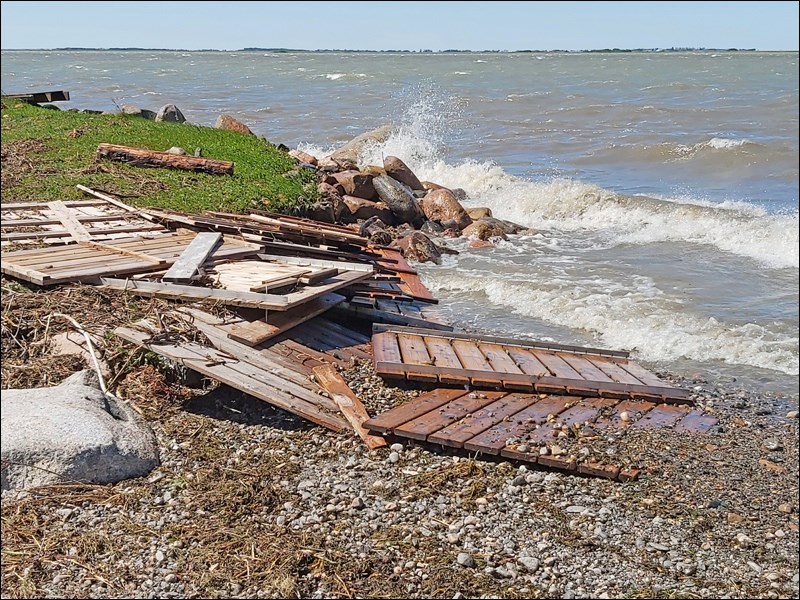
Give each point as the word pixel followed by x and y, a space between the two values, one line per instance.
pixel 45 153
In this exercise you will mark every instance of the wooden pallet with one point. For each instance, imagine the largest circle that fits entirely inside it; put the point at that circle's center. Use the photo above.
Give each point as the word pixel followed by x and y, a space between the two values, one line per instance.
pixel 500 423
pixel 500 363
pixel 82 262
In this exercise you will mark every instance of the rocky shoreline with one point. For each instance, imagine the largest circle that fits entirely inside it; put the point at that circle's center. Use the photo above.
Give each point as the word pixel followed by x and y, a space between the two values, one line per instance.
pixel 250 501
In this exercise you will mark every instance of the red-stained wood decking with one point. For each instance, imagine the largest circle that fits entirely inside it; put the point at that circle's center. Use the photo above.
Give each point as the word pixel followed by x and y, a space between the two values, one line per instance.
pixel 497 363
pixel 517 425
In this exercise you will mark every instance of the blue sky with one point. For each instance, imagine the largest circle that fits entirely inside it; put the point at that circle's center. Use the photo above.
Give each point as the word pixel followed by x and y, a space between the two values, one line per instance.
pixel 401 25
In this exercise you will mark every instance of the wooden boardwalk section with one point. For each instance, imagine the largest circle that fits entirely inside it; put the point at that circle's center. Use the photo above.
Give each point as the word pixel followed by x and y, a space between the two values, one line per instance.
pixel 459 359
pixel 517 425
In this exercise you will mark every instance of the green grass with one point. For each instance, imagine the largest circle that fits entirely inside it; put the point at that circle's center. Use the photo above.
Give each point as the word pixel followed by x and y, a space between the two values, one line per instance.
pixel 45 153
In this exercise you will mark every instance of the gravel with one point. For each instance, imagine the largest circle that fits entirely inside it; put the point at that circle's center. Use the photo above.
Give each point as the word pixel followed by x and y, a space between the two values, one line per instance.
pixel 251 502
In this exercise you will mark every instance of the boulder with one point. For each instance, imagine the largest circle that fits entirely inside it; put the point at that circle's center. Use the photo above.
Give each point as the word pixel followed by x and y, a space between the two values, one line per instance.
pixel 326 190
pixel 351 151
pixel 483 229
pixel 419 247
pixel 359 208
pixel 399 199
pixel 431 228
pixel 373 170
pixel 356 184
pixel 507 226
pixel 374 229
pixel 480 244
pixel 460 194
pixel 441 206
pixel 130 109
pixel 397 169
pixel 228 123
pixel 479 212
pixel 322 211
pixel 428 185
pixel 303 157
pixel 170 114
pixel 71 432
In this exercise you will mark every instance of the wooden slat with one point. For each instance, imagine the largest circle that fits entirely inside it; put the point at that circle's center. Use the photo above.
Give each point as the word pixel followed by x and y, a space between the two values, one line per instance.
pixel 17 206
pixel 68 220
pixel 302 261
pixel 388 421
pixel 582 410
pixel 110 200
pixel 696 422
pixel 641 373
pixel 470 356
pixel 386 350
pixel 585 368
pixel 615 371
pixel 350 404
pixel 253 333
pixel 192 258
pixel 82 218
pixel 241 376
pixel 634 408
pixel 414 352
pixel 443 355
pixel 527 362
pixel 557 365
pixel 663 415
pixel 499 359
pixel 124 252
pixel 439 418
pixel 479 421
pixel 493 440
pixel 335 338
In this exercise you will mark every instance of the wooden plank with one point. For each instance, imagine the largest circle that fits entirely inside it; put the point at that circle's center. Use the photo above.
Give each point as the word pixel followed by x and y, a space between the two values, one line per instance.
pixel 595 469
pixel 82 218
pixel 585 368
pixel 499 359
pixel 40 97
pixel 111 200
pixel 696 422
pixel 17 206
pixel 241 376
pixel 331 340
pixel 388 421
pixel 470 356
pixel 548 346
pixel 142 157
pixel 174 291
pixel 494 439
pixel 350 404
pixel 304 353
pixel 68 220
pixel 123 251
pixel 386 350
pixel 314 277
pixel 557 365
pixel 192 258
pixel 634 409
pixel 439 418
pixel 527 362
pixel 443 355
pixel 641 373
pixel 479 421
pixel 302 261
pixel 616 372
pixel 662 416
pixel 95 233
pixel 581 411
pixel 253 333
pixel 414 352
pixel 332 284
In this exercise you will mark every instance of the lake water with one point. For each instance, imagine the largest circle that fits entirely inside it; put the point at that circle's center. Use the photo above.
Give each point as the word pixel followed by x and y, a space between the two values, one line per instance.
pixel 663 186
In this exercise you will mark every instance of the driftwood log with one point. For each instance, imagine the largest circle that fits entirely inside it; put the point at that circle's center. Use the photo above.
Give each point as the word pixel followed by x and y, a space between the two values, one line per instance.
pixel 140 157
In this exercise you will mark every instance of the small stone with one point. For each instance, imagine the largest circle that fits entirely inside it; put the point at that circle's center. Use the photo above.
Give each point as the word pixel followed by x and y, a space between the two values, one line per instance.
pixel 575 509
pixel 160 556
pixel 396 447
pixel 171 578
pixel 550 561
pixel 659 547
pixel 177 151
pixel 743 540
pixel 754 566
pixel 625 416
pixel 772 445
pixel 792 414
pixel 780 534
pixel 530 563
pixel 785 508
pixel 391 506
pixel 519 481
pixel 394 457
pixel 714 504
pixel 465 560
pixel 544 451
pixel 453 538
pixel 357 502
pixel 65 513
pixel 735 518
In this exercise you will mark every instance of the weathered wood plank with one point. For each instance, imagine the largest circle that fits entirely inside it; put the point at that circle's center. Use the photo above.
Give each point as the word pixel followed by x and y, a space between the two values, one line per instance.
pixel 661 416
pixel 68 220
pixel 616 372
pixel 192 258
pixel 439 418
pixel 443 355
pixel 388 421
pixel 414 352
pixel 140 157
pixel 479 421
pixel 633 409
pixel 696 422
pixel 350 404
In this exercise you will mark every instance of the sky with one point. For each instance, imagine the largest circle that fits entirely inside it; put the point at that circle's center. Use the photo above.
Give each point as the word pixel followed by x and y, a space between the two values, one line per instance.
pixel 400 25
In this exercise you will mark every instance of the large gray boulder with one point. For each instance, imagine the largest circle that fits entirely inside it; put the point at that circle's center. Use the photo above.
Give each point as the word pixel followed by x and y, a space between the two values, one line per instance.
pixel 351 151
pixel 170 113
pixel 399 199
pixel 71 432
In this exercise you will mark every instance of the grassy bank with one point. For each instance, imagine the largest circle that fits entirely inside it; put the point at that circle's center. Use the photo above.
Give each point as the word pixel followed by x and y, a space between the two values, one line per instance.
pixel 45 153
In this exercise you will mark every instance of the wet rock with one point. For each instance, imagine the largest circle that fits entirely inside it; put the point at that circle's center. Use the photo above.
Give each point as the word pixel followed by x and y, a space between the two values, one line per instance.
pixel 441 206
pixel 479 212
pixel 136 111
pixel 460 194
pixel 419 247
pixel 373 170
pixel 398 170
pixel 170 113
pixel 429 185
pixel 303 157
pixel 431 228
pixel 480 244
pixel 228 123
pixel 399 199
pixel 359 208
pixel 356 184
pixel 351 151
pixel 484 229
pixel 508 227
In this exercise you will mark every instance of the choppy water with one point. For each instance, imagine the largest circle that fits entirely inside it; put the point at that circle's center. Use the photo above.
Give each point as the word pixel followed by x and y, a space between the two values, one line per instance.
pixel 664 187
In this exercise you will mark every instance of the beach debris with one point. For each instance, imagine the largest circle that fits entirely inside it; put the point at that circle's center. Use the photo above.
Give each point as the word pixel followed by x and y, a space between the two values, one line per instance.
pixel 140 157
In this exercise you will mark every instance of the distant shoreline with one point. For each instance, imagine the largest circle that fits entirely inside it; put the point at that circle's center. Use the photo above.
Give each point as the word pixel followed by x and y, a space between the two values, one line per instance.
pixel 423 51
